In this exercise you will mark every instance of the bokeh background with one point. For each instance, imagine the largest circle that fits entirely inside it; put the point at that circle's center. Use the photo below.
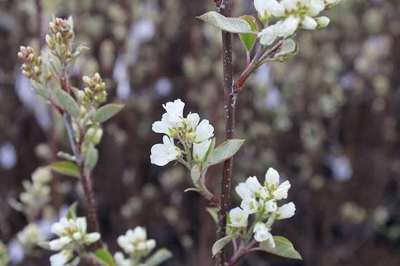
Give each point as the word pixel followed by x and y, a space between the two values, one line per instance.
pixel 328 120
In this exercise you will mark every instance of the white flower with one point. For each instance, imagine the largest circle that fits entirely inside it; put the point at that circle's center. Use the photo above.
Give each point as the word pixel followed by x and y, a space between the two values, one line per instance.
pixel 286 211
pixel 243 191
pixel 272 177
pixel 261 234
pixel 268 35
pixel 309 23
pixel 323 21
pixel 266 8
pixel 120 260
pixel 135 241
pixel 282 191
pixel 332 2
pixel 249 205
pixel 253 184
pixel 173 117
pixel 162 154
pixel 200 150
pixel 61 258
pixel 270 206
pixel 204 131
pixel 238 217
pixel 174 111
pixel 30 236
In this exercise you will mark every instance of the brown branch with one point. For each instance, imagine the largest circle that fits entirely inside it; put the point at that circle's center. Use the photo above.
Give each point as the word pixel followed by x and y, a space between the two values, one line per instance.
pixel 230 103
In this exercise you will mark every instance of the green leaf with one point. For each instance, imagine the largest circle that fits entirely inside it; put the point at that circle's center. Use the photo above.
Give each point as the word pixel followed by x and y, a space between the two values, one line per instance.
pixel 158 257
pixel 106 112
pixel 195 174
pixel 213 213
pixel 289 49
pixel 40 90
pixel 65 168
pixel 283 248
pixel 220 244
pixel 66 102
pixel 71 212
pixel 192 189
pixel 104 257
pixel 248 39
pixel 225 151
pixel 234 25
pixel 91 157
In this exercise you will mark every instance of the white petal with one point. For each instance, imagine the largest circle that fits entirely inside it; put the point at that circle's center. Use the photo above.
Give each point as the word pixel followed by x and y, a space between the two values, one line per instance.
pixel 290 5
pixel 57 228
pixel 272 177
pixel 253 184
pixel 163 126
pixel 92 237
pixel 287 27
pixel 271 206
pixel 238 217
pixel 249 205
pixel 286 211
pixel 204 131
pixel 282 191
pixel 61 258
pixel 275 8
pixel 309 23
pixel 323 21
pixel 315 7
pixel 139 234
pixel 81 224
pixel 243 191
pixel 268 35
pixel 261 232
pixel 150 244
pixel 59 243
pixel 193 120
pixel 162 154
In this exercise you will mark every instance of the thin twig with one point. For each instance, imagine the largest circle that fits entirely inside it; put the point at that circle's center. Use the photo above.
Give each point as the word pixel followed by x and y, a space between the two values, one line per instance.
pixel 230 103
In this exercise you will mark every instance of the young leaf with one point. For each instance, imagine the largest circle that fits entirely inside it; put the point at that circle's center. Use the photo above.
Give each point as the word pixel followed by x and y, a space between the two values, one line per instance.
pixel 104 257
pixel 220 244
pixel 225 151
pixel 71 212
pixel 106 112
pixel 40 90
pixel 192 189
pixel 213 213
pixel 234 25
pixel 159 257
pixel 66 102
pixel 195 174
pixel 91 157
pixel 65 168
pixel 248 39
pixel 283 248
pixel 289 48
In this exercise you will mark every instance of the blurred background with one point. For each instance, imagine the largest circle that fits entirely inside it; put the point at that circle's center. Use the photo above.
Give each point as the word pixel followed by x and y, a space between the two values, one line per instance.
pixel 328 120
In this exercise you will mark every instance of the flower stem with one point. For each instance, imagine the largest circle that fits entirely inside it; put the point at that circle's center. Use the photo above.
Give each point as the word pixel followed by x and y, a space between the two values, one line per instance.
pixel 224 8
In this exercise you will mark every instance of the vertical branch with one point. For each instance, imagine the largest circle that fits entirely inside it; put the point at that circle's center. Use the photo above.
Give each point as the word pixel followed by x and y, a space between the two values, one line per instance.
pixel 86 175
pixel 230 102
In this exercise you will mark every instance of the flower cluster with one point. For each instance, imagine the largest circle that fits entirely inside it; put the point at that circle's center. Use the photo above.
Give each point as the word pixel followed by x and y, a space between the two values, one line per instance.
pixel 30 236
pixel 136 245
pixel 95 92
pixel 194 136
pixel 60 37
pixel 290 15
pixel 262 202
pixel 72 239
pixel 31 68
pixel 36 194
